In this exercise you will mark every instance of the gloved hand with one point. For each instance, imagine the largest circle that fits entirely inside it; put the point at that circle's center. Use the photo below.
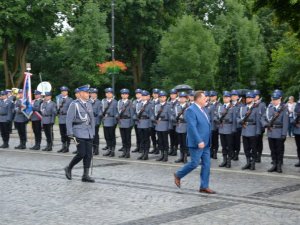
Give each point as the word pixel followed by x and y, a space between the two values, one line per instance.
pixel 283 137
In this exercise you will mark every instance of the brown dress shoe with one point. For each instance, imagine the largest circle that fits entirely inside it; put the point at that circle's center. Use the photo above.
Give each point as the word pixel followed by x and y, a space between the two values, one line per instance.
pixel 207 191
pixel 177 180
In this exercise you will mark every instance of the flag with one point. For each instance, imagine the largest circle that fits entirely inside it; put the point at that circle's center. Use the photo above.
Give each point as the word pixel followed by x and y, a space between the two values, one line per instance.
pixel 27 97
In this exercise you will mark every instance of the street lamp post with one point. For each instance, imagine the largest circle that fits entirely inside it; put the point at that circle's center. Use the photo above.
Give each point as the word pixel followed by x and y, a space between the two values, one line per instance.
pixel 113 40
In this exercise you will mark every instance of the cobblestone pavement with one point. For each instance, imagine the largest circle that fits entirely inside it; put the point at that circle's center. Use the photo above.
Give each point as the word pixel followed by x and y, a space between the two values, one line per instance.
pixel 34 190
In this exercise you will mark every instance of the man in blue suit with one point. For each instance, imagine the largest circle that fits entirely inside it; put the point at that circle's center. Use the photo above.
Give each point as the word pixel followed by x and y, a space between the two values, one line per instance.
pixel 198 142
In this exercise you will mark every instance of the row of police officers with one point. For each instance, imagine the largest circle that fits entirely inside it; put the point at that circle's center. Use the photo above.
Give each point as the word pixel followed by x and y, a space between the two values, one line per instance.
pixel 159 120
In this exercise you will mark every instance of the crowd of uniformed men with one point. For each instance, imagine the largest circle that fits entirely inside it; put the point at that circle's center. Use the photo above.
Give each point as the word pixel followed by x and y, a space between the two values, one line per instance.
pixel 158 118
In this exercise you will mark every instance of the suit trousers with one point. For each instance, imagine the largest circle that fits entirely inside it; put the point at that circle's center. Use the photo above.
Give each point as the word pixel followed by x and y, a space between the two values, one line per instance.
pixel 37 130
pixel 181 137
pixel 196 155
pixel 96 137
pixel 137 135
pixel 21 128
pixel 48 130
pixel 250 149
pixel 277 149
pixel 260 145
pixel 173 137
pixel 126 137
pixel 63 133
pixel 153 136
pixel 215 140
pixel 84 151
pixel 237 141
pixel 5 131
pixel 297 140
pixel 163 141
pixel 227 144
pixel 145 138
pixel 110 136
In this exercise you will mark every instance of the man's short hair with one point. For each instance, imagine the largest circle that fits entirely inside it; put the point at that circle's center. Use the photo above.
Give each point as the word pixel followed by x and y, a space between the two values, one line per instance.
pixel 198 94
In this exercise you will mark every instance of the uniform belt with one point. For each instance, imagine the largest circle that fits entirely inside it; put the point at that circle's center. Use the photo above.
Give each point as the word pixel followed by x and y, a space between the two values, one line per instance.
pixel 125 117
pixel 162 120
pixel 277 126
pixel 3 114
pixel 250 123
pixel 227 122
pixel 63 114
pixel 77 123
pixel 46 116
pixel 144 117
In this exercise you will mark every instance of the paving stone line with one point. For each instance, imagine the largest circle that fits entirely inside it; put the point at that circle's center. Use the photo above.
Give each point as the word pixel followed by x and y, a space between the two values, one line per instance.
pixel 237 199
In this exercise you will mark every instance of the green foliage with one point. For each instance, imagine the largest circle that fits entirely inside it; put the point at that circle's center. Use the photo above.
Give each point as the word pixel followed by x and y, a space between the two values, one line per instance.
pixel 188 55
pixel 285 67
pixel 91 35
pixel 243 56
pixel 71 58
pixel 286 11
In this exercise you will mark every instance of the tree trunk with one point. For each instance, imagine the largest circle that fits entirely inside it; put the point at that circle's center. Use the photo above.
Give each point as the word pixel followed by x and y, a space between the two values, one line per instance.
pixel 19 64
pixel 137 66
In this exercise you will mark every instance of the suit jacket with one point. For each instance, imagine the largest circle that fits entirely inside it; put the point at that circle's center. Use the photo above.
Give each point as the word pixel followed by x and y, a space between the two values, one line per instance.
pixel 198 127
pixel 49 111
pixel 80 120
pixel 19 117
pixel 62 108
pixel 6 110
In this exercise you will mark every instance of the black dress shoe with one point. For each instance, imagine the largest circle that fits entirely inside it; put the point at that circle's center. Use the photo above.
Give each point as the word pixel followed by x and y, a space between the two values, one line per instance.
pixel 68 173
pixel 136 150
pixel 105 148
pixel 297 164
pixel 5 145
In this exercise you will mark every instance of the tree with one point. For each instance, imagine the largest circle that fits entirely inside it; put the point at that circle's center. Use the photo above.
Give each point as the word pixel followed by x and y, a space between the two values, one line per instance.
pixel 285 66
pixel 87 45
pixel 285 10
pixel 188 54
pixel 70 58
pixel 243 56
pixel 22 21
pixel 139 25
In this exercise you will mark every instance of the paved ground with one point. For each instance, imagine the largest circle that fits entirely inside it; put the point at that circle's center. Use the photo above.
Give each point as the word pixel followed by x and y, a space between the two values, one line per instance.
pixel 34 190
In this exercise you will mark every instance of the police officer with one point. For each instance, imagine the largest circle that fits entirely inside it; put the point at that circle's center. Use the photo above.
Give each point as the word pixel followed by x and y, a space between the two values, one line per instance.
pixel 276 120
pixel 109 113
pixel 226 118
pixel 136 102
pixel 97 110
pixel 49 111
pixel 172 132
pixel 63 104
pixel 6 114
pixel 77 96
pixel 125 121
pixel 154 101
pixel 13 99
pixel 20 121
pixel 249 118
pixel 191 96
pixel 236 102
pixel 214 104
pixel 163 122
pixel 262 110
pixel 81 127
pixel 178 118
pixel 144 116
pixel 296 130
pixel 36 118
